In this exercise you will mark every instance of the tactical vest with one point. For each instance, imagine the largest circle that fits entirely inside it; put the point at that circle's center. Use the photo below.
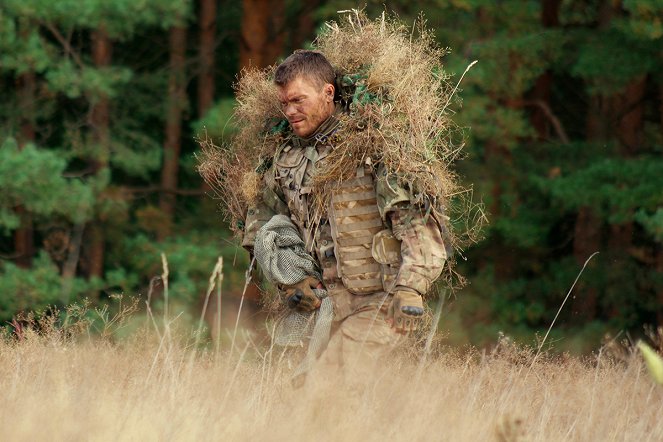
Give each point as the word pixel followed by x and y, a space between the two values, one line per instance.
pixel 368 255
pixel 353 245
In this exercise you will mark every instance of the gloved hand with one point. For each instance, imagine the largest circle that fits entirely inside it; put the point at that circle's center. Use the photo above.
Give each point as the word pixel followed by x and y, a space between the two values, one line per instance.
pixel 406 310
pixel 301 295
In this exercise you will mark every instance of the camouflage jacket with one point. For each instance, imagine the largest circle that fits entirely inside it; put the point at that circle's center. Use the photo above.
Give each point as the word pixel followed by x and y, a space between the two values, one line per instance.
pixel 372 238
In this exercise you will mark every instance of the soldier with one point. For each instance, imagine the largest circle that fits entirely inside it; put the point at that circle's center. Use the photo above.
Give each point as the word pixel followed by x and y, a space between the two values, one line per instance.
pixel 378 252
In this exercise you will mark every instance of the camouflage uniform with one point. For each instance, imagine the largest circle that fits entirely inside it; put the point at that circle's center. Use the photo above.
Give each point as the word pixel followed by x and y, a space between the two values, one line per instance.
pixel 370 240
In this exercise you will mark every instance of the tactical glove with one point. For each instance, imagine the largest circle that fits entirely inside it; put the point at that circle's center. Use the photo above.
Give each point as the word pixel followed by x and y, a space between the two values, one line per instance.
pixel 406 310
pixel 301 295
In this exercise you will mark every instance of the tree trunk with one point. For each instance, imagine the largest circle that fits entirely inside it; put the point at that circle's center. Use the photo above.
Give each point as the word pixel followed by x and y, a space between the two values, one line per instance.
pixel 207 41
pixel 100 114
pixel 262 34
pixel 586 240
pixel 658 250
pixel 541 91
pixel 658 247
pixel 172 144
pixel 26 86
pixel 587 233
pixel 629 111
pixel 305 25
pixel 23 236
pixel 253 35
pixel 587 229
pixel 276 33
pixel 100 123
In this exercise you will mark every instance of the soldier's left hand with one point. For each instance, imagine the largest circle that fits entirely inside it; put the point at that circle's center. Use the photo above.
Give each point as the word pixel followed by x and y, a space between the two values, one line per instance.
pixel 405 311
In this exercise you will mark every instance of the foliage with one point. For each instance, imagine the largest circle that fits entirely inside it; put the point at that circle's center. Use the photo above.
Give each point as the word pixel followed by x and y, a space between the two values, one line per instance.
pixel 561 118
pixel 33 177
pixel 36 288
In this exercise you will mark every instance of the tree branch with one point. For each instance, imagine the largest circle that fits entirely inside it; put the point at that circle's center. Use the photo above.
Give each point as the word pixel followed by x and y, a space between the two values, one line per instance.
pixel 65 43
pixel 561 133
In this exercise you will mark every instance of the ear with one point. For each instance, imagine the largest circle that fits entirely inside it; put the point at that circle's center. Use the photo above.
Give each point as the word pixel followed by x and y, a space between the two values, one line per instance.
pixel 329 92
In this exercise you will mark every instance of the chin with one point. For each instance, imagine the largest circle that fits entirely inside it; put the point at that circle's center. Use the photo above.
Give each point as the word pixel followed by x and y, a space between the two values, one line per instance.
pixel 303 133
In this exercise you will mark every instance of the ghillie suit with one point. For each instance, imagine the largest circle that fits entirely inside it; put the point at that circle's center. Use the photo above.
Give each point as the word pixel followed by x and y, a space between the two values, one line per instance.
pixel 391 80
pixel 368 189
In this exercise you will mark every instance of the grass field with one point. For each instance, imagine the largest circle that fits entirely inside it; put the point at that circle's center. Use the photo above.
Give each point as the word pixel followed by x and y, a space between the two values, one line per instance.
pixel 153 386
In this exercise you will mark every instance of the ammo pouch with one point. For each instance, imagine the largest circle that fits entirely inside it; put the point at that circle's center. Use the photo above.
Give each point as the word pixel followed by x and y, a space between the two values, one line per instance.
pixel 368 255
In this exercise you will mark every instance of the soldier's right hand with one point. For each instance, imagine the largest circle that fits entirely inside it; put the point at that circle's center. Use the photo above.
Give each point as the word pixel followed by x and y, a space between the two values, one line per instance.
pixel 301 295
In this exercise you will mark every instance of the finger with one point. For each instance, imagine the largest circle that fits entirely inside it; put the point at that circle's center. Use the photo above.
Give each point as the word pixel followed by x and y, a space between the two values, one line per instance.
pixel 312 303
pixel 309 301
pixel 312 299
pixel 295 299
pixel 307 305
pixel 400 324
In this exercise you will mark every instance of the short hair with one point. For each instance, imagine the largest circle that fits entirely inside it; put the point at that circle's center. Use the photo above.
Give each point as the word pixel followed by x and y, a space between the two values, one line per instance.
pixel 311 64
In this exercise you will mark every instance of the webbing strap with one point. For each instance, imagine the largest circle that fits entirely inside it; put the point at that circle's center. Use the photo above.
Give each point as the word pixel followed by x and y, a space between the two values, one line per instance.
pixel 359 226
pixel 355 241
pixel 357 210
pixel 362 283
pixel 365 253
pixel 351 196
pixel 365 268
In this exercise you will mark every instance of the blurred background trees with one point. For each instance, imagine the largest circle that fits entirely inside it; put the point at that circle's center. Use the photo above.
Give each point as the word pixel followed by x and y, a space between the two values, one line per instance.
pixel 101 101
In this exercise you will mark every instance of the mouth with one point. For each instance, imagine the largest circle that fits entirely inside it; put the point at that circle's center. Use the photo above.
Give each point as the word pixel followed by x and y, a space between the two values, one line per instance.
pixel 296 121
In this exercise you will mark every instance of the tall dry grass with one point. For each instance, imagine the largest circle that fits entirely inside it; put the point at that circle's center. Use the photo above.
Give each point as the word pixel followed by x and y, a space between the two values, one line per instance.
pixel 64 385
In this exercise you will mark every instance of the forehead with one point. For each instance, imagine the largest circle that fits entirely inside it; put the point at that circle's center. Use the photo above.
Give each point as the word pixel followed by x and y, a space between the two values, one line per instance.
pixel 300 85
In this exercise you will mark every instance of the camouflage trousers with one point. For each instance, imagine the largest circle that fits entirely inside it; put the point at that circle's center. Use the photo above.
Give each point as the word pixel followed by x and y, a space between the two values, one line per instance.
pixel 357 346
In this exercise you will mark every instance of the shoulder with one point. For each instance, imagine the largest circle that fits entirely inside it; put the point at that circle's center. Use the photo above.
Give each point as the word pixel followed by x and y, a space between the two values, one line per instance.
pixel 390 191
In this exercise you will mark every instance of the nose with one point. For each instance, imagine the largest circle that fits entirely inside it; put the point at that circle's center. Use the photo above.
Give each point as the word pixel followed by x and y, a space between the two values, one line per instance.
pixel 290 110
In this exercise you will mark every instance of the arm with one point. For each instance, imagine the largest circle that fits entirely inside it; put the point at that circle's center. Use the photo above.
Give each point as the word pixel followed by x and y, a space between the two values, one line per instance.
pixel 423 251
pixel 269 203
pixel 421 233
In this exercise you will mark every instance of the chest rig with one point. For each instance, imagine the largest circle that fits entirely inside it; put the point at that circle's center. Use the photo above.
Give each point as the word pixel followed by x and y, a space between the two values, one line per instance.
pixel 355 224
pixel 355 248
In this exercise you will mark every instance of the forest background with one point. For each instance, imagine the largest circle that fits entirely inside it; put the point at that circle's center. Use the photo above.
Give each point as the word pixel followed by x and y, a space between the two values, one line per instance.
pixel 101 102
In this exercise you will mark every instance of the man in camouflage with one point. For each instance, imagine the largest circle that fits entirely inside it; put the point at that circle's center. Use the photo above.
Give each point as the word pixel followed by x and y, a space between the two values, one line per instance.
pixel 378 252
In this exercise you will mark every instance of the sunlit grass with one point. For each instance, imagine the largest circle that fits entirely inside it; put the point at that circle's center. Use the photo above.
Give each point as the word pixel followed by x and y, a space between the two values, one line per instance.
pixel 63 383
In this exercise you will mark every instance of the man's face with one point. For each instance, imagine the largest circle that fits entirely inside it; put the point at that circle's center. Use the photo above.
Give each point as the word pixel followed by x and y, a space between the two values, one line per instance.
pixel 305 104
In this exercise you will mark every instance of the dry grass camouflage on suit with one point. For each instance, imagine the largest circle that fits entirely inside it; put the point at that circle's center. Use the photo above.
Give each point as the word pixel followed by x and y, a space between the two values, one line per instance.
pixel 397 96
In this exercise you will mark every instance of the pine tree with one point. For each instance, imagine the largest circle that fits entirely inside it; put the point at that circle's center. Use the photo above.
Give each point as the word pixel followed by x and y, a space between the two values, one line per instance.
pixel 74 153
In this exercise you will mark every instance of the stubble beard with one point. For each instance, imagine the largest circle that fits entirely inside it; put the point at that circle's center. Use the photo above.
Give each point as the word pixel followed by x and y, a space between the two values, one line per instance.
pixel 316 118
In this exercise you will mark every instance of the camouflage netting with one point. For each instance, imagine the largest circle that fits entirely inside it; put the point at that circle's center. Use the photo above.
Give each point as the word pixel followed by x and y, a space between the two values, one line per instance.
pixel 397 94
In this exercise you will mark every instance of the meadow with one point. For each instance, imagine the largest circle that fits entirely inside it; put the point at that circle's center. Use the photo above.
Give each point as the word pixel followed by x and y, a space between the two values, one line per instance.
pixel 64 382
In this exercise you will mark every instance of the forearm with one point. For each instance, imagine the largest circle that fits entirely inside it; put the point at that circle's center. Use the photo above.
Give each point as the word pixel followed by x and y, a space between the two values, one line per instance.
pixel 423 251
pixel 256 217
